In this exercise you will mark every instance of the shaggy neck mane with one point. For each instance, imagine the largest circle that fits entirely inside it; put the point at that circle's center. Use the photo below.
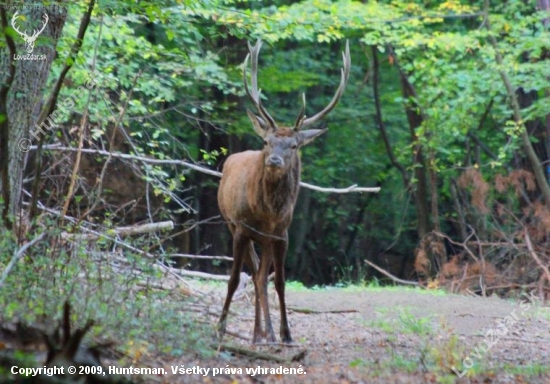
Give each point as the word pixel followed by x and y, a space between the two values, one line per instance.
pixel 278 193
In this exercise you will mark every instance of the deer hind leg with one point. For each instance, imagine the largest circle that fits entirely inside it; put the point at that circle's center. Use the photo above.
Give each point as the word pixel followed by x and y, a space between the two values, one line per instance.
pixel 240 243
pixel 261 288
pixel 279 250
pixel 253 263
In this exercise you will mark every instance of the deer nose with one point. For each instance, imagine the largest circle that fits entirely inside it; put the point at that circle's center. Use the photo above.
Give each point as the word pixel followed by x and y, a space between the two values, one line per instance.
pixel 274 161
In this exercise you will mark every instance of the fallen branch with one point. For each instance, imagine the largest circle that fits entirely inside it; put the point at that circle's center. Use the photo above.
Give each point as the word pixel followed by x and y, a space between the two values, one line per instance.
pixel 261 355
pixel 237 335
pixel 186 256
pixel 394 278
pixel 314 311
pixel 144 228
pixel 352 188
pixel 123 231
pixel 201 275
pixel 174 271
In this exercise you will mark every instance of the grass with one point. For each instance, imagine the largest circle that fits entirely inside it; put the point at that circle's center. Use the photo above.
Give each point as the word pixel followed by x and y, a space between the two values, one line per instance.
pixel 372 286
pixel 529 370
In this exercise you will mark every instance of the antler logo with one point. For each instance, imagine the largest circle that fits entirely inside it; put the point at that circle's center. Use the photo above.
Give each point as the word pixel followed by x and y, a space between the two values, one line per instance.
pixel 29 40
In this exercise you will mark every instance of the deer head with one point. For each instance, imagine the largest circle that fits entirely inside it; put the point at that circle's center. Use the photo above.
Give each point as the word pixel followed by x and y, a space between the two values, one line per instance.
pixel 29 40
pixel 280 144
pixel 257 194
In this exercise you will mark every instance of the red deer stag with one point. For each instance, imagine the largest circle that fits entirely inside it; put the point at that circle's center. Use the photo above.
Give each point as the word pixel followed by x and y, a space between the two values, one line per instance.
pixel 257 194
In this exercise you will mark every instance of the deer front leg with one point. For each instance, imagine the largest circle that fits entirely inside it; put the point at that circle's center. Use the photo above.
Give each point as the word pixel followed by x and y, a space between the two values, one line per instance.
pixel 279 250
pixel 261 283
pixel 239 248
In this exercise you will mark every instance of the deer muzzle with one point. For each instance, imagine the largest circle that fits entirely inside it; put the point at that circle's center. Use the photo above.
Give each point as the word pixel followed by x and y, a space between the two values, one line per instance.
pixel 274 161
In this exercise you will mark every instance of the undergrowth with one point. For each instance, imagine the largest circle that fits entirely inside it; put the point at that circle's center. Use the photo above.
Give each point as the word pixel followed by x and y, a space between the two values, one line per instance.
pixel 122 293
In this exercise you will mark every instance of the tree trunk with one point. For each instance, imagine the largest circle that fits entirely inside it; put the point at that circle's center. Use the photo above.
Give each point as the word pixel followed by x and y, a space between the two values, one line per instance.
pixel 298 232
pixel 419 164
pixel 24 99
pixel 534 161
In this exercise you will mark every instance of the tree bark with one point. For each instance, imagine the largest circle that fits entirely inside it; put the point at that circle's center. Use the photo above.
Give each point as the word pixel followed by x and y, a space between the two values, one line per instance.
pixel 419 163
pixel 24 99
pixel 6 82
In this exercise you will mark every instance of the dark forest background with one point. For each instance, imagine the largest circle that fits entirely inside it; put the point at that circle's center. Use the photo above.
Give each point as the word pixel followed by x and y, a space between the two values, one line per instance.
pixel 447 111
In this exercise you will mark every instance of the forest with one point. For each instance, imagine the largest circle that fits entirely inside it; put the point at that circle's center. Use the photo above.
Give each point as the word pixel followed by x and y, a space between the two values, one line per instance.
pixel 116 118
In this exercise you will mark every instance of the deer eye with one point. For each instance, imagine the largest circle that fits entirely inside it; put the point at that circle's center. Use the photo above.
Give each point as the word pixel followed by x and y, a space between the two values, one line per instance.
pixel 294 146
pixel 265 142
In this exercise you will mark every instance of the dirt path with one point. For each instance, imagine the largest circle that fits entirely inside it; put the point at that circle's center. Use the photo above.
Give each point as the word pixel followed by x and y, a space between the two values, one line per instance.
pixel 398 336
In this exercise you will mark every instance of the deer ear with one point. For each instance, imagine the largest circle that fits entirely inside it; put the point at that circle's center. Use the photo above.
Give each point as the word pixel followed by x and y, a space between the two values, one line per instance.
pixel 260 126
pixel 307 136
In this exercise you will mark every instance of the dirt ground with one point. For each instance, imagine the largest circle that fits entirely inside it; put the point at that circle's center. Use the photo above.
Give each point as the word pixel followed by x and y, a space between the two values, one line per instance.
pixel 390 336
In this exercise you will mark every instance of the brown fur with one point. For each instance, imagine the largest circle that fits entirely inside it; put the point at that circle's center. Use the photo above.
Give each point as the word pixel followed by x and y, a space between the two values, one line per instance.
pixel 257 195
pixel 258 203
pixel 248 193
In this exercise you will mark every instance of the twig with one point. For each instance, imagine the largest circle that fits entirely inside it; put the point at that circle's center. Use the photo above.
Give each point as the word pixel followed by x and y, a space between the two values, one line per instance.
pixel 100 179
pixel 237 335
pixel 76 166
pixel 20 252
pixel 351 188
pixel 394 278
pixel 464 244
pixel 52 102
pixel 314 311
pixel 173 271
pixel 535 256
pixel 261 355
pixel 536 166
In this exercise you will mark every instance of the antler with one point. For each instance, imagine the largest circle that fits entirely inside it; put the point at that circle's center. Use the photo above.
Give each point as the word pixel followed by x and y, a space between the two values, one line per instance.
pixel 13 19
pixel 301 121
pixel 46 18
pixel 255 93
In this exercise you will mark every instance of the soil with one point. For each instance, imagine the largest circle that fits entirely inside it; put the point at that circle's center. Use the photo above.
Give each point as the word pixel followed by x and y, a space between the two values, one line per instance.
pixel 389 336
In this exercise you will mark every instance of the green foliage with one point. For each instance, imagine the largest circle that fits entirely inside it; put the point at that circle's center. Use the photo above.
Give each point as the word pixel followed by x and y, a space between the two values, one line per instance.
pixel 120 297
pixel 171 76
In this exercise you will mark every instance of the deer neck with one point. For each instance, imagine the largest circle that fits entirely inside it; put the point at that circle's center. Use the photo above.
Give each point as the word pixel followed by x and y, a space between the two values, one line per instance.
pixel 277 194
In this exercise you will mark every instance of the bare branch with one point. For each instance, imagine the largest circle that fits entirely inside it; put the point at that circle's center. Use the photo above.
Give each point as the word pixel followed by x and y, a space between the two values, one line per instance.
pixel 187 256
pixel 352 188
pixel 535 256
pixel 20 252
pixel 394 278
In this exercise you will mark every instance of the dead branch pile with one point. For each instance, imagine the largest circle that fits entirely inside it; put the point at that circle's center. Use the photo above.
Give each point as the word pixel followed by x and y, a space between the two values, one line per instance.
pixel 505 241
